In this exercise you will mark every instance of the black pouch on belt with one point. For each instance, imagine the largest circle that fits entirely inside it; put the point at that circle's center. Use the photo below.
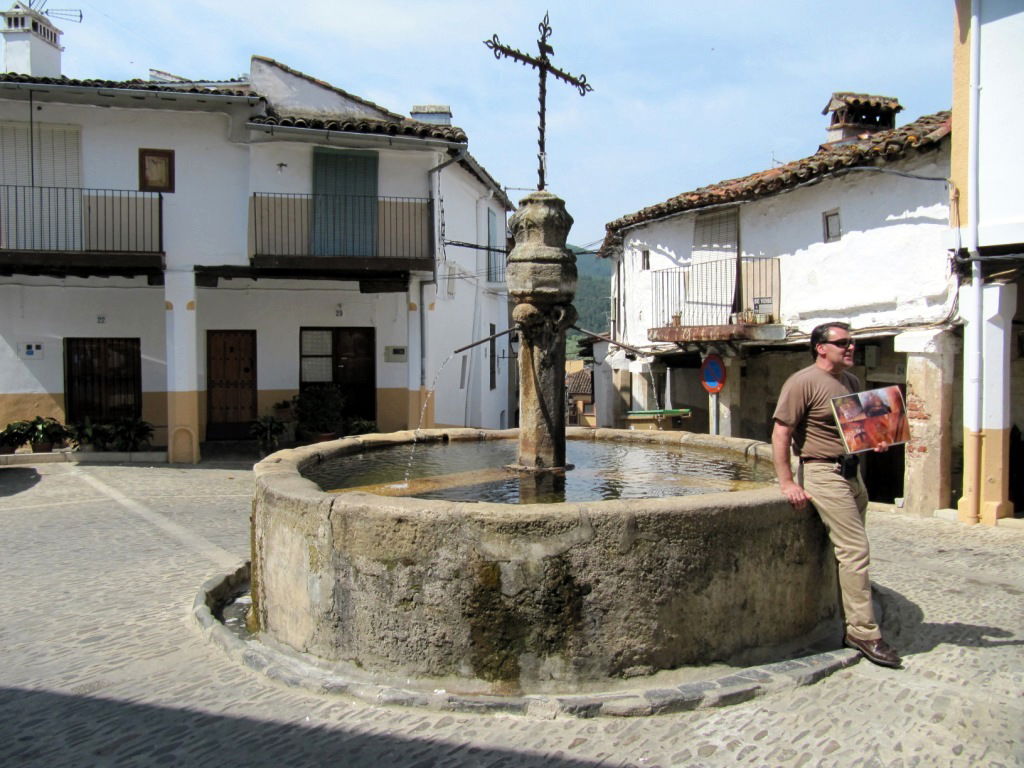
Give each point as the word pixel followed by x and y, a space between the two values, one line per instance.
pixel 848 466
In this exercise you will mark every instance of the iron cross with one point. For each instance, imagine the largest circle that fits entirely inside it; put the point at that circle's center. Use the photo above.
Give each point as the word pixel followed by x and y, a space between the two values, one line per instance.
pixel 543 64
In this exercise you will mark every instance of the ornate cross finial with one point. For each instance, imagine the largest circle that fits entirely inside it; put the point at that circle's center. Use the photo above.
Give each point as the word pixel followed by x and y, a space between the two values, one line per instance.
pixel 543 64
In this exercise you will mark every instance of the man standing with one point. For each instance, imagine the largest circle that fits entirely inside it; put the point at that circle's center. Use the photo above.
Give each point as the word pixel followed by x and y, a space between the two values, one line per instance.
pixel 829 478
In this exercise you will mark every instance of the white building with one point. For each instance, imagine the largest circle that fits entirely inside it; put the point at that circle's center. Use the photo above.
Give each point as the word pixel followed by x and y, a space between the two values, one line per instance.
pixel 193 253
pixel 988 236
pixel 745 268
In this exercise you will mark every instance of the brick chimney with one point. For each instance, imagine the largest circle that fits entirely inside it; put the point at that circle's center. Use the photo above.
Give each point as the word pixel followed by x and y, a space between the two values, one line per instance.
pixel 856 114
pixel 31 42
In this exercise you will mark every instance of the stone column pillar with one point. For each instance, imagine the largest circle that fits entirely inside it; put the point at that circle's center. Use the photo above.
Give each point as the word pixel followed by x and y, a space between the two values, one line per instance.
pixel 930 371
pixel 182 368
pixel 729 400
pixel 541 277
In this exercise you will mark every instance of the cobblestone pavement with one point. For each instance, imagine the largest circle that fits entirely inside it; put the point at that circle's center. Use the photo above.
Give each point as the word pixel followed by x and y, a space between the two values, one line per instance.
pixel 101 664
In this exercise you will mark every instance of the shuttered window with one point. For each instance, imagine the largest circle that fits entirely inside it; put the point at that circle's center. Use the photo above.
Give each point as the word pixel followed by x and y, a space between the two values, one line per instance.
pixel 33 162
pixel 53 157
pixel 716 236
pixel 710 282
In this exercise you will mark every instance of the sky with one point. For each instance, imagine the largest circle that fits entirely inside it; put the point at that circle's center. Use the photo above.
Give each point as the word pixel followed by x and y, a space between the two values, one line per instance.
pixel 686 93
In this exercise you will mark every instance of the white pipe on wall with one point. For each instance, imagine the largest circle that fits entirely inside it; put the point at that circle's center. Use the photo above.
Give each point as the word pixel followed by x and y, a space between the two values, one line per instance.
pixel 973 384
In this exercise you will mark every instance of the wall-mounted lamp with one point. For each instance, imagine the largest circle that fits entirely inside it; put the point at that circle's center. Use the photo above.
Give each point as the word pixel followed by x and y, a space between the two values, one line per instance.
pixel 281 167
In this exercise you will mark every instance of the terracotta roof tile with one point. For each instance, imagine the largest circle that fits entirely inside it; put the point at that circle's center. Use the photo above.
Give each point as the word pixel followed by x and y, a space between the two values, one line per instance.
pixel 925 133
pixel 845 98
pixel 402 127
pixel 580 383
pixel 133 85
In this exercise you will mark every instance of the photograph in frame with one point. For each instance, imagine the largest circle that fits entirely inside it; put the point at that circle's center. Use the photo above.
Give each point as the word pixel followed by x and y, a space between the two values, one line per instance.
pixel 867 419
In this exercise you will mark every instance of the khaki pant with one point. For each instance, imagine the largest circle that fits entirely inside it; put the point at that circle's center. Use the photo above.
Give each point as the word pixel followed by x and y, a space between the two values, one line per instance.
pixel 841 503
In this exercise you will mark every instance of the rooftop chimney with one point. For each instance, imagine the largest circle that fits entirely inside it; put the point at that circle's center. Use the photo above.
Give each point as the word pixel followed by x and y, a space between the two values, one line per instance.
pixel 438 114
pixel 856 114
pixel 31 42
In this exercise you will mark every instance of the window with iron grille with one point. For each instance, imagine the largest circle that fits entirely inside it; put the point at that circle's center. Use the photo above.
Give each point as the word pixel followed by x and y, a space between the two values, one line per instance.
pixel 102 379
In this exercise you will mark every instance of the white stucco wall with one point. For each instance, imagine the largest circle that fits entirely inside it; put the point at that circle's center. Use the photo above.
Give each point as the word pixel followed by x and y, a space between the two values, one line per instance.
pixel 287 167
pixel 890 267
pixel 206 223
pixel 206 217
pixel 669 243
pixel 1001 209
pixel 46 310
pixel 277 310
pixel 459 319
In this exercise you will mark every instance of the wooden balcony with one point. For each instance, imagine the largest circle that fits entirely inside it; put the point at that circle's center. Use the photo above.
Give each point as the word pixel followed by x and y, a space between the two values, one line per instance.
pixel 77 231
pixel 343 236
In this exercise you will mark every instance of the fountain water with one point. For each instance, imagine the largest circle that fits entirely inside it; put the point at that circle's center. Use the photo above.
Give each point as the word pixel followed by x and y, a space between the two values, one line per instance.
pixel 507 598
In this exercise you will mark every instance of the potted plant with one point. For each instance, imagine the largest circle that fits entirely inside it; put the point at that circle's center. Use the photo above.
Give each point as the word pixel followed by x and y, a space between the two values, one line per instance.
pixel 130 433
pixel 360 426
pixel 13 436
pixel 283 410
pixel 267 430
pixel 45 432
pixel 90 436
pixel 319 412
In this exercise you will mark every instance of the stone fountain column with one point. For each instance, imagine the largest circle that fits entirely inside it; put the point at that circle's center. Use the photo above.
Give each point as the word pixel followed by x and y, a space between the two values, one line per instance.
pixel 541 278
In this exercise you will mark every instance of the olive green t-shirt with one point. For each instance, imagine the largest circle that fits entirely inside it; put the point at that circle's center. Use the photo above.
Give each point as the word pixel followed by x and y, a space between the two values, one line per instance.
pixel 805 405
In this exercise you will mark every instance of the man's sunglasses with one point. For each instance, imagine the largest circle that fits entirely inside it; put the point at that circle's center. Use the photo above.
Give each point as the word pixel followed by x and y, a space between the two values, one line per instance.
pixel 844 343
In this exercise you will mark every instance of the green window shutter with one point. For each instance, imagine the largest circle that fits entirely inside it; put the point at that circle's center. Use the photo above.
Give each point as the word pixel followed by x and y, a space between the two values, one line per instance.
pixel 344 203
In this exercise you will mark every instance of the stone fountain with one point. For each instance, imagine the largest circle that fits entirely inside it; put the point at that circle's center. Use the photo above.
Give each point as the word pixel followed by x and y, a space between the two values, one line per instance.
pixel 503 599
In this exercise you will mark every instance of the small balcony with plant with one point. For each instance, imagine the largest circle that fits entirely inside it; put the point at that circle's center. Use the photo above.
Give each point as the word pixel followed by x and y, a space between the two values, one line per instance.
pixel 715 300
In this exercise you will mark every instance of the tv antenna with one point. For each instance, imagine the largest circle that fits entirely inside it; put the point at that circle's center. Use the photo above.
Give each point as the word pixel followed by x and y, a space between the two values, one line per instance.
pixel 64 14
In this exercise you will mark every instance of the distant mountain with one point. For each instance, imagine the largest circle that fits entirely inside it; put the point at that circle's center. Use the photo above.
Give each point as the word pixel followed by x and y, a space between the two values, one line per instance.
pixel 593 289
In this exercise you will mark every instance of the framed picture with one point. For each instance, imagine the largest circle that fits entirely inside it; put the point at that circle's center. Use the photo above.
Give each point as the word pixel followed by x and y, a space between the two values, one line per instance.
pixel 871 417
pixel 156 170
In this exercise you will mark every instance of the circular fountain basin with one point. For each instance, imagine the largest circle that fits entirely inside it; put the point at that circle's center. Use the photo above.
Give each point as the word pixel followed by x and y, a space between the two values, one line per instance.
pixel 509 598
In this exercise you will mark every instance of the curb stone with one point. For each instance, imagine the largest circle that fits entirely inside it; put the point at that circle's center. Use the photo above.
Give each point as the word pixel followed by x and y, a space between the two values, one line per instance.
pixel 294 672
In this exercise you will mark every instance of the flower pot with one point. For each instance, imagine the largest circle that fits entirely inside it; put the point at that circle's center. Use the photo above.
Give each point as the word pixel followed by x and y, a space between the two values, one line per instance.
pixel 42 447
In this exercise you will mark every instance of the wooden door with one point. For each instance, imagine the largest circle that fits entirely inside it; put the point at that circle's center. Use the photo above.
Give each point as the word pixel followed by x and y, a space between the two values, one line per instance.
pixel 230 384
pixel 355 370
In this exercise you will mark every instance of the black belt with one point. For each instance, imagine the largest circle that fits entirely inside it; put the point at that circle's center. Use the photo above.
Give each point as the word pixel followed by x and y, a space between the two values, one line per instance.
pixel 830 460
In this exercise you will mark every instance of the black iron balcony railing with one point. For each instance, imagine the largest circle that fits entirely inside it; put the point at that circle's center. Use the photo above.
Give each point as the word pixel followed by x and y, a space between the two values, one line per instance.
pixel 717 292
pixel 73 219
pixel 341 226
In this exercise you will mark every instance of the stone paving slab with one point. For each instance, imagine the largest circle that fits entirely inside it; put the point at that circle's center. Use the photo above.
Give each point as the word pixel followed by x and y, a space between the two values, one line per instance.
pixel 101 662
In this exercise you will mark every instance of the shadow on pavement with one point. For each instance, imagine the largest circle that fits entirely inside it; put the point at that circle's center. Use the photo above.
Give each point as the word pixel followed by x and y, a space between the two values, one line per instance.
pixel 17 479
pixel 903 622
pixel 48 729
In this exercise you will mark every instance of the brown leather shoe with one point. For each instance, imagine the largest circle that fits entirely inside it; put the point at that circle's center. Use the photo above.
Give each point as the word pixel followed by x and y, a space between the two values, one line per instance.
pixel 876 651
